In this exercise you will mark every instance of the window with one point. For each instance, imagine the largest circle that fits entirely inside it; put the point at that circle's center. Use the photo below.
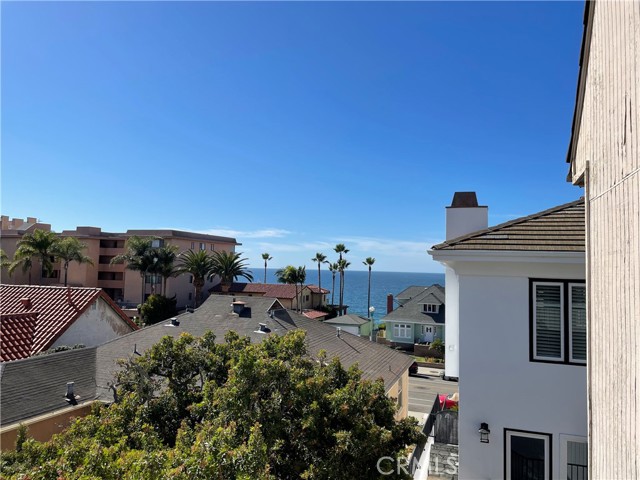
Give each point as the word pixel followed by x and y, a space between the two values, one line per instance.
pixel 193 245
pixel 527 455
pixel 573 457
pixel 430 308
pixel 190 296
pixel 190 278
pixel 427 329
pixel 558 322
pixel 402 331
pixel 157 243
pixel 212 247
pixel 202 246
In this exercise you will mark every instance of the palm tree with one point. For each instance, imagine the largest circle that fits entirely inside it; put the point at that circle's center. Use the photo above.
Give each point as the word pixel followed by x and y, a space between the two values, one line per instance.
pixel 342 266
pixel 293 276
pixel 320 258
pixel 23 259
pixel 229 266
pixel 38 244
pixel 369 261
pixel 68 250
pixel 4 259
pixel 139 257
pixel 341 250
pixel 165 266
pixel 199 265
pixel 266 258
pixel 333 268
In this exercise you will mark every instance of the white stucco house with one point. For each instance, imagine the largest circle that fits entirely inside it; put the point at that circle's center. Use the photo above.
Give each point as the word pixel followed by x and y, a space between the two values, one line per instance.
pixel 516 339
pixel 39 318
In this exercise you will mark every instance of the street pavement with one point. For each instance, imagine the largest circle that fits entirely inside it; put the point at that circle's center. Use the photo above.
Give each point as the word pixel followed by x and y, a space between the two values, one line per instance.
pixel 423 389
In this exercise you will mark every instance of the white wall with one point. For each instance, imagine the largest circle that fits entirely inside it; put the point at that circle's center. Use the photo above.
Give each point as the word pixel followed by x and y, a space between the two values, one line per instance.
pixel 498 383
pixel 94 327
pixel 451 341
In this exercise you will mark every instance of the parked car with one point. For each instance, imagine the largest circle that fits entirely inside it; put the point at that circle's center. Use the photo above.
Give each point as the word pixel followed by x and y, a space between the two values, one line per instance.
pixel 413 369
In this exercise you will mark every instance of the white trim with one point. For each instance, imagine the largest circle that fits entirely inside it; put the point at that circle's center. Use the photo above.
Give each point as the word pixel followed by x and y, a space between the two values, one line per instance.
pixel 570 293
pixel 564 439
pixel 406 328
pixel 445 256
pixel 535 342
pixel 539 436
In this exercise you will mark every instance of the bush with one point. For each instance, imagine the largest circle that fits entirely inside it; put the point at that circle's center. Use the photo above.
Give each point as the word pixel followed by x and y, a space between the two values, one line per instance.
pixel 158 308
pixel 438 346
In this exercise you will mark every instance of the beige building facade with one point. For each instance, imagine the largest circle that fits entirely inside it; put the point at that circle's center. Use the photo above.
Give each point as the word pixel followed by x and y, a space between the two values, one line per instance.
pixel 604 160
pixel 122 285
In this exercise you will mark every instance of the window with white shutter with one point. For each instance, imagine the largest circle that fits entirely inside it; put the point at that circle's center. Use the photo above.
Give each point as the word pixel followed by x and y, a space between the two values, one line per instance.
pixel 547 321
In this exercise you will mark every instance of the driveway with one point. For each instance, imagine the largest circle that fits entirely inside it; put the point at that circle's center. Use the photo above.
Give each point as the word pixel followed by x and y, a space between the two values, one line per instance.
pixel 423 389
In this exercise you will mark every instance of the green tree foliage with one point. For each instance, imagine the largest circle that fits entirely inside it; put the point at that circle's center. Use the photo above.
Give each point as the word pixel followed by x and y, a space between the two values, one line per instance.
pixel 229 267
pixel 140 257
pixel 158 308
pixel 195 409
pixel 70 249
pixel 267 258
pixel 293 276
pixel 199 265
pixel 165 266
pixel 38 245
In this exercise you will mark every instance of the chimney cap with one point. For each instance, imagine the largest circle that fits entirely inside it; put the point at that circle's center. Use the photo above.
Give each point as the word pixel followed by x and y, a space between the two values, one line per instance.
pixel 465 200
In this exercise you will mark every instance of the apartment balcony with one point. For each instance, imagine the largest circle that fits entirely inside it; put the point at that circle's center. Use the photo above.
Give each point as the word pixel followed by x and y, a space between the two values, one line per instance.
pixel 112 252
pixel 110 283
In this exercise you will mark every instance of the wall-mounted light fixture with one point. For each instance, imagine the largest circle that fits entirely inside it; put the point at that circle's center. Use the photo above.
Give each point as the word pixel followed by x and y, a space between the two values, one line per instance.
pixel 484 432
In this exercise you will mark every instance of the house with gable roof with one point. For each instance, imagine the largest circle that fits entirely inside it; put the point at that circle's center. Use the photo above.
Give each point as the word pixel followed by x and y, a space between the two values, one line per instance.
pixel 38 318
pixel 419 318
pixel 33 389
pixel 516 339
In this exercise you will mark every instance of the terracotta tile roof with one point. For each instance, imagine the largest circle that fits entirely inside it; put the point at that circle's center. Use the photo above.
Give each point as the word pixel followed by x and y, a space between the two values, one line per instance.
pixel 558 229
pixel 316 289
pixel 314 314
pixel 57 307
pixel 271 290
pixel 16 335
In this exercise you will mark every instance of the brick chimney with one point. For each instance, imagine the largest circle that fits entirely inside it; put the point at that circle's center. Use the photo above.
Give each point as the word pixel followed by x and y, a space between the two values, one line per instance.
pixel 389 303
pixel 465 215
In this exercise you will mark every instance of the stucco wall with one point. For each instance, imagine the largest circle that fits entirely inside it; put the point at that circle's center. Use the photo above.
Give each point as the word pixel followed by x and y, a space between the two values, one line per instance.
pixel 95 326
pixel 401 385
pixel 498 384
pixel 609 140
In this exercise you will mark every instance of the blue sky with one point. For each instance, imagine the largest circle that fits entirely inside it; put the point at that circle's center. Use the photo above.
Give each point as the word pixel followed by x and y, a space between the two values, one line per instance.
pixel 290 126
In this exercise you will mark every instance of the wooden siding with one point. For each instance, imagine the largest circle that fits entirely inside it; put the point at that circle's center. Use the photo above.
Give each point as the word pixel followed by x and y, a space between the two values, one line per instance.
pixel 605 158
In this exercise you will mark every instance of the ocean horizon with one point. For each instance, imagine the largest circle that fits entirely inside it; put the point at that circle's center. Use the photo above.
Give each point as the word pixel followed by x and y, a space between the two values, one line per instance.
pixel 356 282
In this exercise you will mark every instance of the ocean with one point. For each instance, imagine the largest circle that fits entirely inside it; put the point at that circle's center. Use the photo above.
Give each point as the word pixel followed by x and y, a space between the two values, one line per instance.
pixel 355 291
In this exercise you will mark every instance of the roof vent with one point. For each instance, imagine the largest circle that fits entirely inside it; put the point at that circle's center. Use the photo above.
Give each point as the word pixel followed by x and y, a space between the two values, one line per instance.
pixel 238 307
pixel 26 303
pixel 262 328
pixel 70 397
pixel 338 331
pixel 175 322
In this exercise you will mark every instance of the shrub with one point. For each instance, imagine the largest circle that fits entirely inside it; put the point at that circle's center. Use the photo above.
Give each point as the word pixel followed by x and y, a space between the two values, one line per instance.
pixel 158 308
pixel 438 346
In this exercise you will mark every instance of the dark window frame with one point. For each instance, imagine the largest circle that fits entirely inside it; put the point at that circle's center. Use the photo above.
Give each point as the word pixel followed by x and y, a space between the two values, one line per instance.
pixel 566 328
pixel 505 447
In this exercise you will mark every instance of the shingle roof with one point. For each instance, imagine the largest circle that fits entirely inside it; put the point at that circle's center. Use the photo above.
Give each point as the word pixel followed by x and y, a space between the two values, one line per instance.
pixel 38 385
pixel 558 229
pixel 17 331
pixel 272 290
pixel 57 308
pixel 350 319
pixel 412 310
pixel 376 361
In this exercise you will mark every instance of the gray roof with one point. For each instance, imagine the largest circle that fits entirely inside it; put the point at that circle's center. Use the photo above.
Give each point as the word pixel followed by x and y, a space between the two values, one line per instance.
pixel 38 385
pixel 350 319
pixel 558 229
pixel 181 234
pixel 375 361
pixel 412 310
